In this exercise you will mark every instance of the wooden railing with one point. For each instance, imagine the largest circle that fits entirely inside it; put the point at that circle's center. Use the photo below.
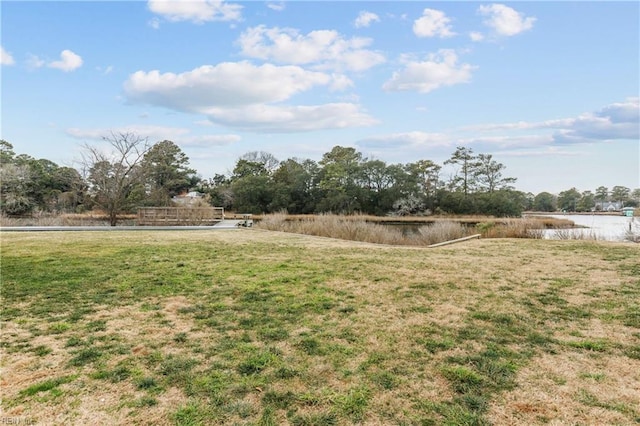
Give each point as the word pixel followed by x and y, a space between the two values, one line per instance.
pixel 176 216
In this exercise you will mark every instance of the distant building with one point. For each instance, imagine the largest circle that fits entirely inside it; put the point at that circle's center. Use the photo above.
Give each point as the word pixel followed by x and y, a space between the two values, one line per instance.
pixel 609 206
pixel 188 199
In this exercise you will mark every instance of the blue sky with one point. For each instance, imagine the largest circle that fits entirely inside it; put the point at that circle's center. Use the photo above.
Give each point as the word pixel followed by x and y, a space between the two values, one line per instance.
pixel 550 89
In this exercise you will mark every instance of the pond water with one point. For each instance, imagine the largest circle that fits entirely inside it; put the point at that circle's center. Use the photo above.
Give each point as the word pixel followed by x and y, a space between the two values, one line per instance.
pixel 599 227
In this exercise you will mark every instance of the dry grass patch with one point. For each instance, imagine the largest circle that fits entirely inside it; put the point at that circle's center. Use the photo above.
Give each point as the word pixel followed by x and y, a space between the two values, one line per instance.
pixel 572 388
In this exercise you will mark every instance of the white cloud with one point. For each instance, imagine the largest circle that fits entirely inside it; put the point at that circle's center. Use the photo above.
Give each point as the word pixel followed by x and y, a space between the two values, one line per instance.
pixel 198 11
pixel 324 49
pixel 476 36
pixel 365 19
pixel 34 62
pixel 601 126
pixel 178 135
pixel 5 57
pixel 106 70
pixel 547 151
pixel 504 20
pixel 622 112
pixel 282 119
pixel 617 121
pixel 151 132
pixel 419 140
pixel 405 140
pixel 154 23
pixel 441 69
pixel 69 61
pixel 507 141
pixel 242 95
pixel 277 6
pixel 210 140
pixel 433 23
pixel 340 82
pixel 228 84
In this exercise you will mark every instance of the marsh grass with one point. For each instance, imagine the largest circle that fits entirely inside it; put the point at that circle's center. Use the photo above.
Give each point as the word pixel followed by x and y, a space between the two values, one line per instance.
pixel 365 229
pixel 526 227
pixel 94 218
pixel 257 327
pixel 429 230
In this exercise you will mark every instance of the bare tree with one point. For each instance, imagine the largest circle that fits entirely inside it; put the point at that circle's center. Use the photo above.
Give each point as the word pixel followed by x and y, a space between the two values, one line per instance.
pixel 268 161
pixel 115 175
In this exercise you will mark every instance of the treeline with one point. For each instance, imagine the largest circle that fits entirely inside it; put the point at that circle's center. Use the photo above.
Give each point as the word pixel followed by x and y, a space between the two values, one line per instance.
pixel 572 200
pixel 129 175
pixel 135 173
pixel 344 181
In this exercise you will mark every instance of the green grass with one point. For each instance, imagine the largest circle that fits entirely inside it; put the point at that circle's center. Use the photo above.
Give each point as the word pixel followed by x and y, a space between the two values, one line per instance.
pixel 47 385
pixel 249 327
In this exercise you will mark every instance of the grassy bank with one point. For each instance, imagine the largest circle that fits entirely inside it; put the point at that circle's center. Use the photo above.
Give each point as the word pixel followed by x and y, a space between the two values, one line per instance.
pixel 257 327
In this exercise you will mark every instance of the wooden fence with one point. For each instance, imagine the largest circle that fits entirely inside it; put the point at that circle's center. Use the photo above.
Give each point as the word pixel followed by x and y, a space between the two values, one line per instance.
pixel 176 216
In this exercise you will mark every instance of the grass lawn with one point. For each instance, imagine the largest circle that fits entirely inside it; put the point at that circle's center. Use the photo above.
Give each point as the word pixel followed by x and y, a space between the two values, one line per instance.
pixel 268 328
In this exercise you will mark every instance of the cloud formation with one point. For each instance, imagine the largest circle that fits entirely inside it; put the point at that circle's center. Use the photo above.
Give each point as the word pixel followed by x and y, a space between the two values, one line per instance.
pixel 286 119
pixel 5 57
pixel 433 23
pixel 438 70
pixel 617 121
pixel 228 84
pixel 197 11
pixel 242 95
pixel 277 6
pixel 321 49
pixel 69 61
pixel 476 36
pixel 405 140
pixel 365 19
pixel 179 135
pixel 34 62
pixel 505 21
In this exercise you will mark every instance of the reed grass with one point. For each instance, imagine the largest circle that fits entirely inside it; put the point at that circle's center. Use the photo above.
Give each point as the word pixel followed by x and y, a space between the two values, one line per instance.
pixel 94 218
pixel 633 233
pixel 545 221
pixel 517 228
pixel 358 228
pixel 332 226
pixel 441 231
pixel 370 229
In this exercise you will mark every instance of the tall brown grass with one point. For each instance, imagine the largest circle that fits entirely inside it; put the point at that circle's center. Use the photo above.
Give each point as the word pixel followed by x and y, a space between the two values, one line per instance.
pixel 360 229
pixel 633 233
pixel 377 230
pixel 442 231
pixel 66 219
pixel 515 228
